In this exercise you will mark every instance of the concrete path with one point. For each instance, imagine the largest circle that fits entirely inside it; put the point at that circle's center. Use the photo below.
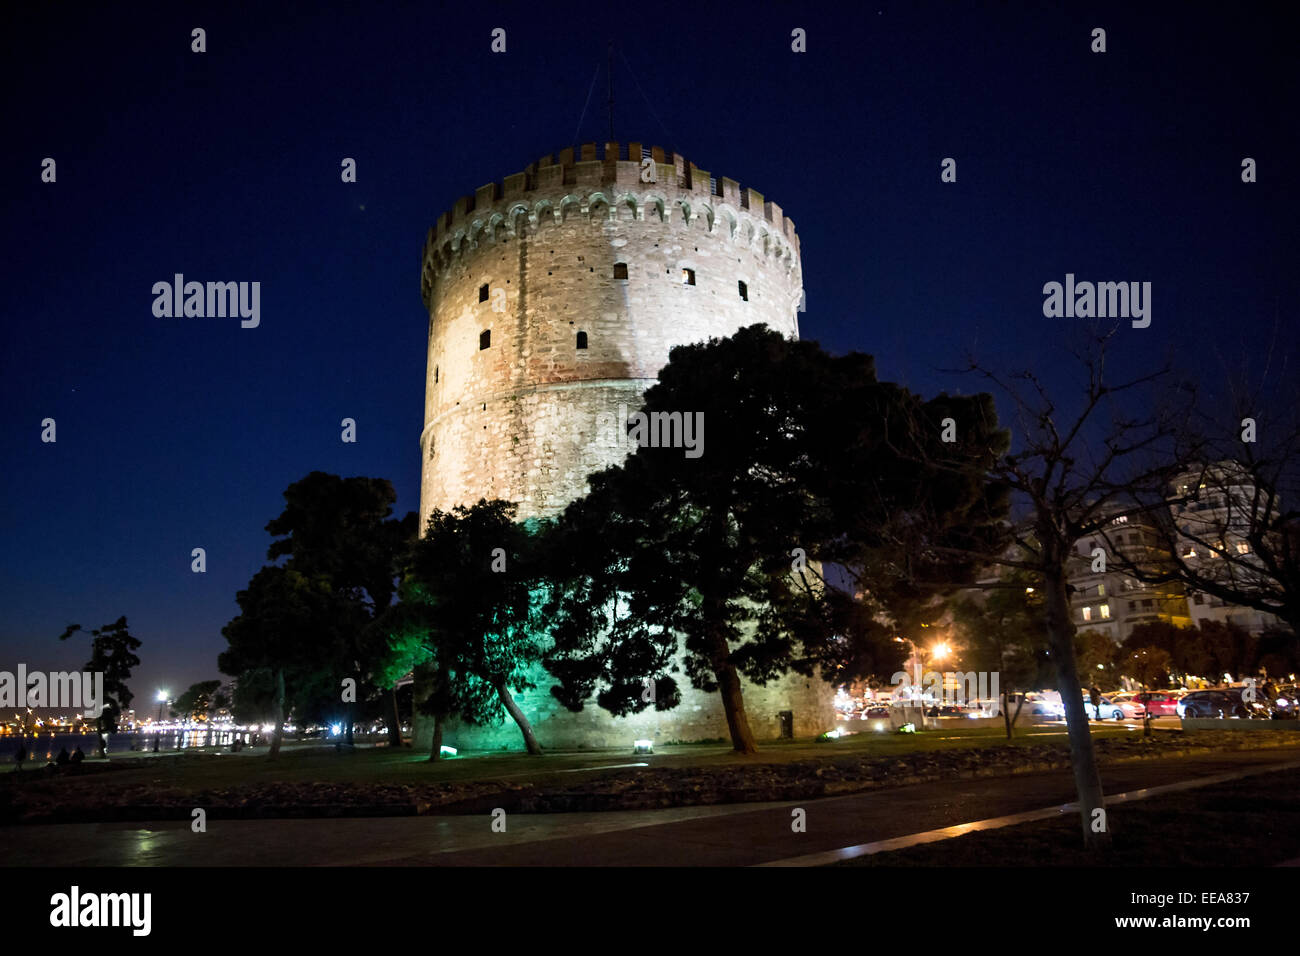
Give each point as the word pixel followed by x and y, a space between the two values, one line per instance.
pixel 732 835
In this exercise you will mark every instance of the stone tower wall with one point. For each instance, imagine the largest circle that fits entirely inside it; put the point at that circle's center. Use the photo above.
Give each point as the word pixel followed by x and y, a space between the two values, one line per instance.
pixel 519 419
pixel 698 717
pixel 531 261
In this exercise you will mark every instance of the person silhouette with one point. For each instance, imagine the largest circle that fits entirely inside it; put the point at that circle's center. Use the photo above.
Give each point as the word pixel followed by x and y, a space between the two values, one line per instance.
pixel 63 757
pixel 78 755
pixel 19 756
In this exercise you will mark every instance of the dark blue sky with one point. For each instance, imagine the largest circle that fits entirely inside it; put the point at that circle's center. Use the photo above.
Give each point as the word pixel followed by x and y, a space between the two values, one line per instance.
pixel 183 433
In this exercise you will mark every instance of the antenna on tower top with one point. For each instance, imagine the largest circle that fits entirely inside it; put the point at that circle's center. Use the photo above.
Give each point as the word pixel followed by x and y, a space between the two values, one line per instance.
pixel 611 90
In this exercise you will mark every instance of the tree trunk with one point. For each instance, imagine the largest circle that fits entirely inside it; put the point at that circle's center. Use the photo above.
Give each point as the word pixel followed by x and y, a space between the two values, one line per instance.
pixel 435 750
pixel 394 721
pixel 1006 714
pixel 351 716
pixel 525 728
pixel 278 711
pixel 1060 637
pixel 733 705
pixel 724 671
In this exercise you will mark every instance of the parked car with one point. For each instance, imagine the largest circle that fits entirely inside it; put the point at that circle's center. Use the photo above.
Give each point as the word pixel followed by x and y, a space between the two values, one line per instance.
pixel 1288 699
pixel 1132 708
pixel 1158 703
pixel 1223 702
pixel 1105 706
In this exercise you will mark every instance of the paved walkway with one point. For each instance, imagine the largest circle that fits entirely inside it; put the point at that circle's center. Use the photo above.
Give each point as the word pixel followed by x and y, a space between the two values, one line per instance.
pixel 731 835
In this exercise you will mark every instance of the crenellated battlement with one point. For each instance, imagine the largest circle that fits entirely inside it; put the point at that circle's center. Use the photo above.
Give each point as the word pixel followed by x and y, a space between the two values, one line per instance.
pixel 577 182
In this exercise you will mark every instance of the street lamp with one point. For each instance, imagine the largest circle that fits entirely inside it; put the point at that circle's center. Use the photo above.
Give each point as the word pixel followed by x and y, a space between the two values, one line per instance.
pixel 162 699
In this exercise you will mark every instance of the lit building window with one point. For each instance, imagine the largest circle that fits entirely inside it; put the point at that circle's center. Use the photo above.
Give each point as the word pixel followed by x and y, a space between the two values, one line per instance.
pixel 688 277
pixel 1101 590
pixel 1243 547
pixel 1087 614
pixel 1105 611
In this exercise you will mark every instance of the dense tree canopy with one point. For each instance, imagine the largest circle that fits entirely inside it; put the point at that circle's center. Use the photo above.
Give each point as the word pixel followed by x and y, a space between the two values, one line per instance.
pixel 707 563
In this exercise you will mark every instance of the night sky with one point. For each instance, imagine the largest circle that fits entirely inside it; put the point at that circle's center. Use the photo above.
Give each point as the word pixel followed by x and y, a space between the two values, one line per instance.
pixel 176 433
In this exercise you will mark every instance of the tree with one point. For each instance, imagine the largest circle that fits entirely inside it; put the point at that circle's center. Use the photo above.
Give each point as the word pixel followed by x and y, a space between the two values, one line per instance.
pixel 1149 666
pixel 339 529
pixel 1005 629
pixel 1212 649
pixel 1094 654
pixel 443 687
pixel 285 618
pixel 253 698
pixel 199 701
pixel 1276 653
pixel 470 604
pixel 112 653
pixel 1078 464
pixel 861 647
pixel 678 562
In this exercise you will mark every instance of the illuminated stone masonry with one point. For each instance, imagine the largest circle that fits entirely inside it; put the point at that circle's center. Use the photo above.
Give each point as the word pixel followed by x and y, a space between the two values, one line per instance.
pixel 554 298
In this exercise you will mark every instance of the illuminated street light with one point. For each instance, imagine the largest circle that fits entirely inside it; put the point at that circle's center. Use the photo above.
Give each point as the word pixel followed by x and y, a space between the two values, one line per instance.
pixel 162 699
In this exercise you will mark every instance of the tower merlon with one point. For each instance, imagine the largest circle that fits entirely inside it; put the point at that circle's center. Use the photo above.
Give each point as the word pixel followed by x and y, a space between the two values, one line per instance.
pixel 555 182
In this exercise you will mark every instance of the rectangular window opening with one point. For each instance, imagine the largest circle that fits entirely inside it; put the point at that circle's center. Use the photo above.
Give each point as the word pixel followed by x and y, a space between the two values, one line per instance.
pixel 484 339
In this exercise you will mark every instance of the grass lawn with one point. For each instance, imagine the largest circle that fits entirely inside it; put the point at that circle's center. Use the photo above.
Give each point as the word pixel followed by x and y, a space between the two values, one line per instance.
pixel 382 765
